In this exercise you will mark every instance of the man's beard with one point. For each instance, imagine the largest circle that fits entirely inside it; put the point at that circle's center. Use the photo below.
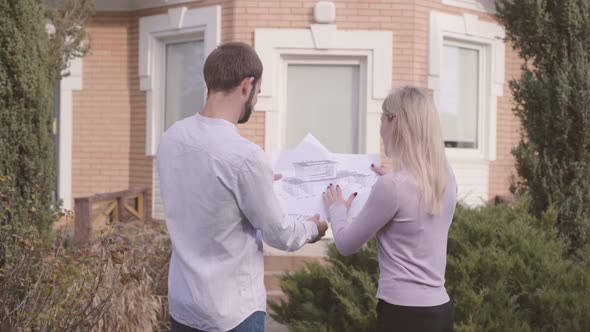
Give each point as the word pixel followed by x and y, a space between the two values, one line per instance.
pixel 246 112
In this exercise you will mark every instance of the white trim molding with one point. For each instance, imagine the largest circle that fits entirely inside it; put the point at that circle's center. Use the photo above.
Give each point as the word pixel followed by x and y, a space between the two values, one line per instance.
pixel 72 81
pixel 154 31
pixel 468 28
pixel 68 84
pixel 471 165
pixel 485 6
pixel 323 44
pixel 129 5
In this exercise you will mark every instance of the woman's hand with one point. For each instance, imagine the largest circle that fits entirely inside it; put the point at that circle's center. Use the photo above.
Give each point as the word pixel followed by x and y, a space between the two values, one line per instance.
pixel 333 194
pixel 380 169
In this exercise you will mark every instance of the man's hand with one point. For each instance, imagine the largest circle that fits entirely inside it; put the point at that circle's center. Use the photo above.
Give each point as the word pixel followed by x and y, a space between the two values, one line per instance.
pixel 321 225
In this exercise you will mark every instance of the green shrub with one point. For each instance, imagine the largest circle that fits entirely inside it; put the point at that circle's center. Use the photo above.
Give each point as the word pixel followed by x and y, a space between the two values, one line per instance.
pixel 505 272
pixel 31 64
pixel 339 297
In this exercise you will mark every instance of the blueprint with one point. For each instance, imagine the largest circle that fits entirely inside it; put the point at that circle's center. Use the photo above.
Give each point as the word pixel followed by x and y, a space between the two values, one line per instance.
pixel 310 167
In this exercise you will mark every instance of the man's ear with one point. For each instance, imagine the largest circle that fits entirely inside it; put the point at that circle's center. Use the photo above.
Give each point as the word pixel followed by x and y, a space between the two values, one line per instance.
pixel 246 85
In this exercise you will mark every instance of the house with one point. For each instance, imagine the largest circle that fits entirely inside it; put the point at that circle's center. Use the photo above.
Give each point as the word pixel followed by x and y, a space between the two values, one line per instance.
pixel 328 67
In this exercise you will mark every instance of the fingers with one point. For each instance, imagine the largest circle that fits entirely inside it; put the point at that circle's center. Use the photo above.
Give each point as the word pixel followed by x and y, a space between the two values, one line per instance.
pixel 338 192
pixel 329 194
pixel 277 177
pixel 334 194
pixel 322 227
pixel 316 217
pixel 350 199
pixel 378 169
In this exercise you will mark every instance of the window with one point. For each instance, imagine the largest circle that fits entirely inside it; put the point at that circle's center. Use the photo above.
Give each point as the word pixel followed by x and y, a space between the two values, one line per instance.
pixel 466 76
pixel 326 81
pixel 459 103
pixel 323 100
pixel 184 84
pixel 172 49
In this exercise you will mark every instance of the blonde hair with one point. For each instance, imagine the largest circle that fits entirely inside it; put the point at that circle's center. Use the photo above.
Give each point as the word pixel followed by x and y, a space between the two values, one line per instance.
pixel 417 144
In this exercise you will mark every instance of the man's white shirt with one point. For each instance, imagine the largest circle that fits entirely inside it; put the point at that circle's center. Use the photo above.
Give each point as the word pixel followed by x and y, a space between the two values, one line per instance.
pixel 217 190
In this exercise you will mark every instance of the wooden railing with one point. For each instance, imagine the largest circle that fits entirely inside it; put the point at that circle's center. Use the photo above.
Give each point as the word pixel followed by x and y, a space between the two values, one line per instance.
pixel 115 208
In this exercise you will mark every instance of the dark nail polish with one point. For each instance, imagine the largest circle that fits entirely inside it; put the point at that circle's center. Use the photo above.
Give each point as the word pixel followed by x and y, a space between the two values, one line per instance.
pixel 355 194
pixel 372 165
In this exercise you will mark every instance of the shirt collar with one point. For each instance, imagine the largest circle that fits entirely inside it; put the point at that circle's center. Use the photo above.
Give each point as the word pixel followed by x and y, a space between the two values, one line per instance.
pixel 216 122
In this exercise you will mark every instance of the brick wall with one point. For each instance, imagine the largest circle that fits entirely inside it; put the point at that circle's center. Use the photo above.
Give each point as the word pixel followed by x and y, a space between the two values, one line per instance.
pixel 391 15
pixel 109 113
pixel 409 23
pixel 101 118
pixel 109 116
pixel 508 131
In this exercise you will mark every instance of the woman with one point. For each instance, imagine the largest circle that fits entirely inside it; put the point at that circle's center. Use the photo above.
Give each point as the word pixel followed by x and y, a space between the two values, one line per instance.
pixel 410 210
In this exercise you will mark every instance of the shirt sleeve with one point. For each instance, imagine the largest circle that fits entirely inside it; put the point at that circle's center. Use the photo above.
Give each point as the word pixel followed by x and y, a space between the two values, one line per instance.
pixel 257 201
pixel 380 208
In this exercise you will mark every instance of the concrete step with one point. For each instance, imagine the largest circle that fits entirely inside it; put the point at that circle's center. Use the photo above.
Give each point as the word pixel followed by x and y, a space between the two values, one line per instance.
pixel 272 326
pixel 288 263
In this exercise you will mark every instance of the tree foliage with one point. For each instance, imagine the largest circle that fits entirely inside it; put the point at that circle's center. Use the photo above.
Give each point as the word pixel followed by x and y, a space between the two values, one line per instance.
pixel 552 101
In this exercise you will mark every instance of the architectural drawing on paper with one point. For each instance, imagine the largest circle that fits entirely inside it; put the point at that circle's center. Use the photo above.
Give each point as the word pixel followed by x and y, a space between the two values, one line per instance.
pixel 312 178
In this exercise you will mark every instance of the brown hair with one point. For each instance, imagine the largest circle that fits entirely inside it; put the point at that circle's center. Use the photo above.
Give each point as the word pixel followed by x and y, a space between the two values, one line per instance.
pixel 229 64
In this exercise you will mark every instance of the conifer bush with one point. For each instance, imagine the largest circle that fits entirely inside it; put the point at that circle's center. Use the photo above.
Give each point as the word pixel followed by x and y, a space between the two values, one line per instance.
pixel 552 102
pixel 32 60
pixel 506 271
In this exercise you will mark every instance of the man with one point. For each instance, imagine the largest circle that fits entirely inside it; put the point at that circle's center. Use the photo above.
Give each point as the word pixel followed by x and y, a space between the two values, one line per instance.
pixel 217 189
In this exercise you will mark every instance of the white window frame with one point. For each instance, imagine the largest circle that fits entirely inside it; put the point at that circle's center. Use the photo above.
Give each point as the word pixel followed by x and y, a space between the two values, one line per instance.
pixel 294 59
pixel 323 42
pixel 161 83
pixel 68 84
pixel 154 32
pixel 472 4
pixel 483 116
pixel 489 37
pixel 128 5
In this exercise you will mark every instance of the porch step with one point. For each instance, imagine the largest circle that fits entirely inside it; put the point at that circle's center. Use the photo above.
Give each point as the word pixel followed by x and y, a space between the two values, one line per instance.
pixel 289 263
pixel 275 266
